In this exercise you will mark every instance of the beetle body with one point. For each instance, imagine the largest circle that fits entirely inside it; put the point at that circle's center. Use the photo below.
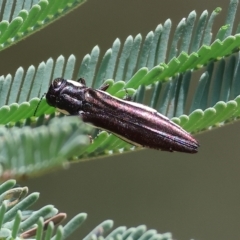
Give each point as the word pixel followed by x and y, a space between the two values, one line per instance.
pixel 133 122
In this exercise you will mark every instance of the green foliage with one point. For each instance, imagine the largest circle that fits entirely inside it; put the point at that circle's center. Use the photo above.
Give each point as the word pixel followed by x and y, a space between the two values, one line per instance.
pixel 22 18
pixel 18 223
pixel 39 148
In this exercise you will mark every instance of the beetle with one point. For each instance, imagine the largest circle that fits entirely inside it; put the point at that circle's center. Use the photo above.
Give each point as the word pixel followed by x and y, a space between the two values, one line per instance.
pixel 133 122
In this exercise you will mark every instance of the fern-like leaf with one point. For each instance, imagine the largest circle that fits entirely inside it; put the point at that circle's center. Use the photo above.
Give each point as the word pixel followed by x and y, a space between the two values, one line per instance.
pixel 22 18
pixel 18 223
pixel 24 151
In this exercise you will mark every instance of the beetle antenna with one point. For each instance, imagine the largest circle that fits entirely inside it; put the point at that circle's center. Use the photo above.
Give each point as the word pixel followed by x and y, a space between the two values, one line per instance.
pixel 39 104
pixel 82 81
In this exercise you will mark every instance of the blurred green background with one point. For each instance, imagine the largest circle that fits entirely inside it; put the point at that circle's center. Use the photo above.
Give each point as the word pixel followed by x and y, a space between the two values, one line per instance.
pixel 193 196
